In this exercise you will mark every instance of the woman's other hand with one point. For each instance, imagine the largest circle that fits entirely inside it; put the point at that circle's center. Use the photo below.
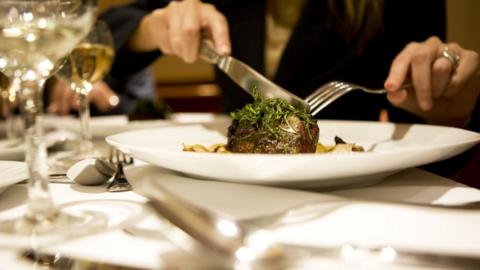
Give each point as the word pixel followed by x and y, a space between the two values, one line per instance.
pixel 63 99
pixel 443 91
pixel 178 28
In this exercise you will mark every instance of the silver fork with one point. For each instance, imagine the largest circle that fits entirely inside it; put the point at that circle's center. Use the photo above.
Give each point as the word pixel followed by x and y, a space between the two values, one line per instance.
pixel 333 90
pixel 119 182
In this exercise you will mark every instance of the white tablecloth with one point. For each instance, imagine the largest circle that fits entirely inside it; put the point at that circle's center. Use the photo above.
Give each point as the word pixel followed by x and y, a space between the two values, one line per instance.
pixel 358 216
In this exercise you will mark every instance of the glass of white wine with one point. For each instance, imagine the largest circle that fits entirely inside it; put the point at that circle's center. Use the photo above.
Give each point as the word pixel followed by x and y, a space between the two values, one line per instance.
pixel 34 35
pixel 87 64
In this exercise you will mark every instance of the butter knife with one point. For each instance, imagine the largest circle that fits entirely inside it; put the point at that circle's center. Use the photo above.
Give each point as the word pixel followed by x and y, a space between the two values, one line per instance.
pixel 246 77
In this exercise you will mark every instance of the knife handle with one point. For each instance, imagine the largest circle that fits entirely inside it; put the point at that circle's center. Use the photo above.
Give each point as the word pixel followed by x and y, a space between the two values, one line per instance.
pixel 207 53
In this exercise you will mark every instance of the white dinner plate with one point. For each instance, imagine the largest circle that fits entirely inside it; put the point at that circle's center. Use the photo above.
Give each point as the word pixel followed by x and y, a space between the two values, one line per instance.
pixel 389 148
pixel 12 172
pixel 103 126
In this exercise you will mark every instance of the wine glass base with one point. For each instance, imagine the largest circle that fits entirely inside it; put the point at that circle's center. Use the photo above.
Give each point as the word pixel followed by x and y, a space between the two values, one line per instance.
pixel 66 224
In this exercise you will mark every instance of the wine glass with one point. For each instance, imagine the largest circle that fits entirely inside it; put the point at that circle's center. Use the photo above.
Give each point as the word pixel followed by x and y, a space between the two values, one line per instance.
pixel 87 64
pixel 34 35
pixel 8 91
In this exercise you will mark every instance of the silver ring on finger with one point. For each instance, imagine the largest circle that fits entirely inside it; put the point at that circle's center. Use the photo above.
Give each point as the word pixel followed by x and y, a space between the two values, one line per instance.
pixel 451 56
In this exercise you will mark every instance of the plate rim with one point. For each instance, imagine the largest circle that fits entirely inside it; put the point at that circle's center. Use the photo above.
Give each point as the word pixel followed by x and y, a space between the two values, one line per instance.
pixel 110 140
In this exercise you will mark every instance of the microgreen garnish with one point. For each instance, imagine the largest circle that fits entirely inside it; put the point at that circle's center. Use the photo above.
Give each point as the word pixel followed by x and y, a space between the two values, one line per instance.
pixel 266 114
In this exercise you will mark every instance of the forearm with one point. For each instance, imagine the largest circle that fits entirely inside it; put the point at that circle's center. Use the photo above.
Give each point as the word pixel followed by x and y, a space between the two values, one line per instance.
pixel 124 22
pixel 141 40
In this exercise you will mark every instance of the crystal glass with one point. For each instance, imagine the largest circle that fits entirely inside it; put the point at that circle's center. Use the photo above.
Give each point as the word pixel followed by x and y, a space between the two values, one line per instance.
pixel 87 64
pixel 34 35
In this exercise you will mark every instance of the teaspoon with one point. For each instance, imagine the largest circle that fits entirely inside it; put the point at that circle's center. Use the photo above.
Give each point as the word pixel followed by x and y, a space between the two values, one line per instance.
pixel 235 245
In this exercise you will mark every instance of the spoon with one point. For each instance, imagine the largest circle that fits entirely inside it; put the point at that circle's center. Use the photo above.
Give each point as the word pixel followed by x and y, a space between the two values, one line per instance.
pixel 233 244
pixel 91 172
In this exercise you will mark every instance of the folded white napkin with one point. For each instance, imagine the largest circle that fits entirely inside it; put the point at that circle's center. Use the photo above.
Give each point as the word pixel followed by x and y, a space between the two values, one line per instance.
pixel 91 171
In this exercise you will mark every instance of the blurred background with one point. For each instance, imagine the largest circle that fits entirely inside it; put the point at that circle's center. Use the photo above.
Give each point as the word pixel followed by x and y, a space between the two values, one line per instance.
pixel 190 87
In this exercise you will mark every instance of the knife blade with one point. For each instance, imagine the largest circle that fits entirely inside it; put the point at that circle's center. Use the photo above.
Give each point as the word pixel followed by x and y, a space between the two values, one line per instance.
pixel 246 77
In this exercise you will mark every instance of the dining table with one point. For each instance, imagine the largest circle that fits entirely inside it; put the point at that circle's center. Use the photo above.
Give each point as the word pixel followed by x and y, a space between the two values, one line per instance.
pixel 411 210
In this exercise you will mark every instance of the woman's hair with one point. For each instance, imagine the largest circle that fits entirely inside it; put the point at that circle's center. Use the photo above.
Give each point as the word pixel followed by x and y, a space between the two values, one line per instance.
pixel 358 21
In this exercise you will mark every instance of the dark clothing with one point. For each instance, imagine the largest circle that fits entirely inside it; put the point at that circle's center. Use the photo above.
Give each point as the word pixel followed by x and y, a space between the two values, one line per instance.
pixel 475 118
pixel 123 21
pixel 134 80
pixel 315 53
pixel 130 89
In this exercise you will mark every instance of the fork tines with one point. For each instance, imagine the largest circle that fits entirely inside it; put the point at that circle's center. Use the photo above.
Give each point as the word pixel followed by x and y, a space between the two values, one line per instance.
pixel 119 182
pixel 326 94
pixel 116 156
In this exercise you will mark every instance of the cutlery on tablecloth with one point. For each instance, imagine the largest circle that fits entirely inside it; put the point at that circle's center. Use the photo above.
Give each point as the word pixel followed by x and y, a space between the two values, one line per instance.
pixel 356 255
pixel 118 182
pixel 233 242
pixel 90 172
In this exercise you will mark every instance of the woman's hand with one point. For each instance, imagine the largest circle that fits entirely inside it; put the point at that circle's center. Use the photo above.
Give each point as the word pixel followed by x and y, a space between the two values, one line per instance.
pixel 178 28
pixel 442 91
pixel 63 98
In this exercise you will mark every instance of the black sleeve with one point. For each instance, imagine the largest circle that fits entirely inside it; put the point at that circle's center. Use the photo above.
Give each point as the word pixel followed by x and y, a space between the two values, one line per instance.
pixel 406 21
pixel 411 20
pixel 123 21
pixel 474 123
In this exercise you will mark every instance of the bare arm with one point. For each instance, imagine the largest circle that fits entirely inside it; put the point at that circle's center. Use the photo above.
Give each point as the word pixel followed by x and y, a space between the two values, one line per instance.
pixel 178 28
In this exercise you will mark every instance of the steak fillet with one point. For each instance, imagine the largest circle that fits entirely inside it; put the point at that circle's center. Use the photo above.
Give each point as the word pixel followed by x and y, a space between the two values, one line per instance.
pixel 272 126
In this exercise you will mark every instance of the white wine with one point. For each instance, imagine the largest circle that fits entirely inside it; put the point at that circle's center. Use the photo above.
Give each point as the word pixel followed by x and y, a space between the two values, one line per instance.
pixel 90 63
pixel 36 44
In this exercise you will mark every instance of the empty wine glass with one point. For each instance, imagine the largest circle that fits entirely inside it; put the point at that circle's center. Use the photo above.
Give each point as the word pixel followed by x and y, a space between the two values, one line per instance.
pixel 87 64
pixel 34 35
pixel 9 89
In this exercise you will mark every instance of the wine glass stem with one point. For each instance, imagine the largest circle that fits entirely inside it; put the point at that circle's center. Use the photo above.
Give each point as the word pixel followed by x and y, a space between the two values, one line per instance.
pixel 86 145
pixel 40 204
pixel 12 131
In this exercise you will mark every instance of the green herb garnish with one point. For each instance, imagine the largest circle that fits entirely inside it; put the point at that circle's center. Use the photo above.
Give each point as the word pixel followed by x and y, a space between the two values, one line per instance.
pixel 266 114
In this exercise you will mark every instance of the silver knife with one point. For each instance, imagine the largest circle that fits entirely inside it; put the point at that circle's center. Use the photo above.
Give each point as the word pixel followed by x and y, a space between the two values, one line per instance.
pixel 246 77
